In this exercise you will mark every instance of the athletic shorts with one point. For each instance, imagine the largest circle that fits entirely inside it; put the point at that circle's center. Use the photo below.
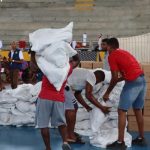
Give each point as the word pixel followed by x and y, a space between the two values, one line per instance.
pixel 48 111
pixel 70 100
pixel 133 94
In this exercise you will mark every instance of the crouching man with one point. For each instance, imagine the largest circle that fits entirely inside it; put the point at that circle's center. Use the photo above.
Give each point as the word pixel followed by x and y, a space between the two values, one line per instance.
pixel 86 79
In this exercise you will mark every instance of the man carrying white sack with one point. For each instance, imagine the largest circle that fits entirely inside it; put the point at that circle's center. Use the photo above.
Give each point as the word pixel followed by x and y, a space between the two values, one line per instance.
pixel 52 51
pixel 50 104
pixel 86 79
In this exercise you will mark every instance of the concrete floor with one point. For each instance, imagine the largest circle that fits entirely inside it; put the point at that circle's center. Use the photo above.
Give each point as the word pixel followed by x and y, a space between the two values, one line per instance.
pixel 28 138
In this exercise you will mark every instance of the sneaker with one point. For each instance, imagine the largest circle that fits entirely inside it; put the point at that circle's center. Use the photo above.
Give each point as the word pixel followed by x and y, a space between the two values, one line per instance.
pixel 139 141
pixel 117 146
pixel 66 146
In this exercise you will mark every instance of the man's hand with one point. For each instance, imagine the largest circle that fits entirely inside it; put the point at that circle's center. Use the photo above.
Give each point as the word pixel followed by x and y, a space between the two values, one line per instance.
pixel 89 109
pixel 106 97
pixel 105 109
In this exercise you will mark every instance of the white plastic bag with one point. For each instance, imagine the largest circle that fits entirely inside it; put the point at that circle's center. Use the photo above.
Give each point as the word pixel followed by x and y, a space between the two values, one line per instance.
pixel 42 38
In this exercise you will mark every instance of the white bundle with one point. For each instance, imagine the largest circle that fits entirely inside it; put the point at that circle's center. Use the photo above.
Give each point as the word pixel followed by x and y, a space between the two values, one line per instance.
pixel 97 118
pixel 7 106
pixel 21 120
pixel 5 110
pixel 82 115
pixel 36 89
pixel 83 125
pixel 33 99
pixel 6 98
pixel 23 106
pixel 23 92
pixel 5 117
pixel 108 136
pixel 52 52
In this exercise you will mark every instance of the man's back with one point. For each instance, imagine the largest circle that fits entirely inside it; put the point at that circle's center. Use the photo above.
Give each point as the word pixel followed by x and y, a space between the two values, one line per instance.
pixel 123 61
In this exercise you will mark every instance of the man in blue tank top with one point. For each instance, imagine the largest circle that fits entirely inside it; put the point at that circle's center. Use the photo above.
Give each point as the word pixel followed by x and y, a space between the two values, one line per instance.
pixel 15 59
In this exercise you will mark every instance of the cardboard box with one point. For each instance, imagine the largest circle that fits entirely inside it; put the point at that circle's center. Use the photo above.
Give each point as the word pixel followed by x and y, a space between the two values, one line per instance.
pixel 147 97
pixel 130 112
pixel 146 68
pixel 147 77
pixel 86 64
pixel 148 85
pixel 147 103
pixel 146 111
pixel 132 124
pixel 97 65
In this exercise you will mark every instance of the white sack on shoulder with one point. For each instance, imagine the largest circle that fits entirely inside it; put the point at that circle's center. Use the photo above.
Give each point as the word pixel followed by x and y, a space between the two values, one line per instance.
pixel 42 38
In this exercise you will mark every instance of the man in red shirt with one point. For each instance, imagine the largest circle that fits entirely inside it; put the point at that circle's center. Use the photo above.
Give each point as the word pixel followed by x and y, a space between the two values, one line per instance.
pixel 50 106
pixel 125 67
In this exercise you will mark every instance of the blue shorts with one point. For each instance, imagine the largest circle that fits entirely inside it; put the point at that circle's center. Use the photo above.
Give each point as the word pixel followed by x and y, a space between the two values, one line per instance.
pixel 133 94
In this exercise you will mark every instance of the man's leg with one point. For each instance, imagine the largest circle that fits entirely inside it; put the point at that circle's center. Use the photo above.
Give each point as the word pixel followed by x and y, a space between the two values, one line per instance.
pixel 140 122
pixel 121 124
pixel 58 119
pixel 43 111
pixel 15 78
pixel 46 137
pixel 11 78
pixel 63 133
pixel 71 120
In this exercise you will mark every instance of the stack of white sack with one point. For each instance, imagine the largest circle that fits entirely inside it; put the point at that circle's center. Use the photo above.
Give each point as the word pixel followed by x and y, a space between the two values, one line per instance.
pixel 53 52
pixel 103 129
pixel 17 107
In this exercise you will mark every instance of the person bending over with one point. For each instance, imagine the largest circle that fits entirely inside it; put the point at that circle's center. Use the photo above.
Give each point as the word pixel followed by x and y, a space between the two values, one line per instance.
pixel 133 93
pixel 86 79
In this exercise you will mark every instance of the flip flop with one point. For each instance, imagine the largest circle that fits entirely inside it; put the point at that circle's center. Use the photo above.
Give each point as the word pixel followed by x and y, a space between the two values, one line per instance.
pixel 77 141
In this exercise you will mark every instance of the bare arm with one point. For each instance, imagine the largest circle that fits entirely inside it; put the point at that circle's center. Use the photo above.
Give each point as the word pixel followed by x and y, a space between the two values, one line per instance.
pixel 93 100
pixel 80 99
pixel 112 84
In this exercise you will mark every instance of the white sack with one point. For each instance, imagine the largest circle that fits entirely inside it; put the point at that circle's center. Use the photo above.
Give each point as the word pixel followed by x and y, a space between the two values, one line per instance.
pixel 6 97
pixel 53 52
pixel 35 90
pixel 23 106
pixel 21 120
pixel 33 99
pixel 82 115
pixel 16 112
pixel 42 38
pixel 32 108
pixel 22 92
pixel 5 117
pixel 97 118
pixel 4 110
pixel 108 136
pixel 83 125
